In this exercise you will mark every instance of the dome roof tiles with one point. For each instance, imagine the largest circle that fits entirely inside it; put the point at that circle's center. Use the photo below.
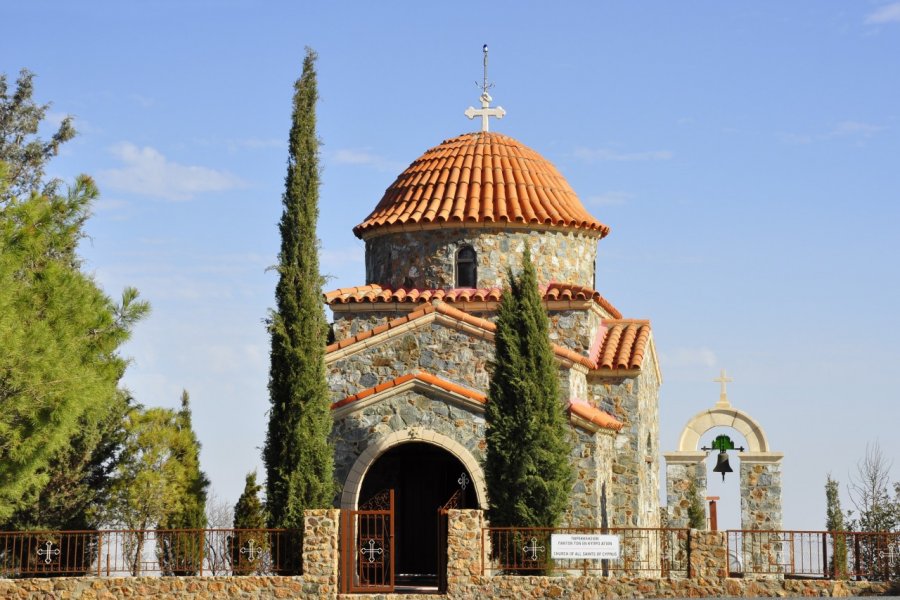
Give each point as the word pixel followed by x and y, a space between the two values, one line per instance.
pixel 480 179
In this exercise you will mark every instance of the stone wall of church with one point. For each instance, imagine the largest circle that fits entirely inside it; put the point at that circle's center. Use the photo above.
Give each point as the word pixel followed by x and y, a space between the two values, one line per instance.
pixel 437 349
pixel 426 260
pixel 592 466
pixel 634 499
pixel 355 432
pixel 574 329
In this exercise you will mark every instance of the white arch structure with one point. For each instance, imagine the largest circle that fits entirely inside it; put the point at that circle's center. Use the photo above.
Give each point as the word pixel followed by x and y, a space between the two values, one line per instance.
pixel 353 484
pixel 719 416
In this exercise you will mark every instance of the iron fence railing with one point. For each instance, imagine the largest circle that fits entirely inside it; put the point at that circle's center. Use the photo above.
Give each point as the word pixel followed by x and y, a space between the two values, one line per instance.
pixel 118 553
pixel 873 556
pixel 647 552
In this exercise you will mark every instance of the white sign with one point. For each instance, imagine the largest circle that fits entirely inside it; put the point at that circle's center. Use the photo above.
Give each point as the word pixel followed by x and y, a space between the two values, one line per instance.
pixel 584 546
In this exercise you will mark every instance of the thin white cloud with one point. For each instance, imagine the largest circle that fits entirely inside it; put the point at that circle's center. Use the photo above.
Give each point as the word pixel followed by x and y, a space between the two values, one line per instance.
pixel 147 172
pixel 609 199
pixel 349 156
pixel 889 13
pixel 856 130
pixel 602 154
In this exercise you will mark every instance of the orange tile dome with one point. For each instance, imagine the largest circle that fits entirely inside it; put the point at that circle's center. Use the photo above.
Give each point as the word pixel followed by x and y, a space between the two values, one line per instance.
pixel 479 179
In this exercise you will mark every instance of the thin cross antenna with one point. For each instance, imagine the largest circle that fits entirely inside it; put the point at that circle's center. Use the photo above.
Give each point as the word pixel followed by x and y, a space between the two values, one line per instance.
pixel 485 86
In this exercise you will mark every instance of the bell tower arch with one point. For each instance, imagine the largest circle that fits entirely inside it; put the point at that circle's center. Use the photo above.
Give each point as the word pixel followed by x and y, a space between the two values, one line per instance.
pixel 760 471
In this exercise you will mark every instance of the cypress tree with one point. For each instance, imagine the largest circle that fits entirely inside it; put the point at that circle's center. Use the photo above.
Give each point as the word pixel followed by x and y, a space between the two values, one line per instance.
pixel 696 510
pixel 834 521
pixel 297 453
pixel 181 554
pixel 528 447
pixel 249 513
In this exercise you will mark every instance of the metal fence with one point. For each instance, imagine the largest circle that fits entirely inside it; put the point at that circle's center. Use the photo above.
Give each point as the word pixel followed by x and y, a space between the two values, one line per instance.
pixel 117 553
pixel 648 552
pixel 815 554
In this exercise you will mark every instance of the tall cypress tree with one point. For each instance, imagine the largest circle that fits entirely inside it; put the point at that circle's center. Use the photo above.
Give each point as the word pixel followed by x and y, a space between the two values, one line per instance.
pixel 528 447
pixel 297 453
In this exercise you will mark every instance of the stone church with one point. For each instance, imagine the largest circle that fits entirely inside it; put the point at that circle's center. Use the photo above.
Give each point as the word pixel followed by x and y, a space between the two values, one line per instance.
pixel 409 369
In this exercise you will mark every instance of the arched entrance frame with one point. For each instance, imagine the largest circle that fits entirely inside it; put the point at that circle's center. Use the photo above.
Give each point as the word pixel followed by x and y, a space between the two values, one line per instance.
pixel 353 483
pixel 760 469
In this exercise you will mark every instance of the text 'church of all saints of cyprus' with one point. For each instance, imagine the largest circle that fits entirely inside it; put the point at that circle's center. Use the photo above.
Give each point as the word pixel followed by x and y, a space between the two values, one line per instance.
pixel 409 369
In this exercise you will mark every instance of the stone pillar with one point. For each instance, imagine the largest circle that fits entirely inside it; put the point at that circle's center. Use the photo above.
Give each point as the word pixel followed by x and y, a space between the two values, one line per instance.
pixel 681 468
pixel 761 509
pixel 709 556
pixel 320 552
pixel 761 490
pixel 464 531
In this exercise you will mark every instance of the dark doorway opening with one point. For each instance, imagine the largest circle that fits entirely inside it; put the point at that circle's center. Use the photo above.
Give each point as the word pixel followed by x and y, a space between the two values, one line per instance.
pixel 423 477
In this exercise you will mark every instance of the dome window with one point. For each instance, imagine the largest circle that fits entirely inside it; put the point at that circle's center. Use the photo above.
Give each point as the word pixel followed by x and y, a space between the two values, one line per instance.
pixel 466 268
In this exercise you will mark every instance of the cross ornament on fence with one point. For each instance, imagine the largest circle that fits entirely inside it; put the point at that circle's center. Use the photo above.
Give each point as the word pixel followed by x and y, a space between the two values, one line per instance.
pixel 250 552
pixel 371 551
pixel 891 554
pixel 48 552
pixel 533 549
pixel 463 481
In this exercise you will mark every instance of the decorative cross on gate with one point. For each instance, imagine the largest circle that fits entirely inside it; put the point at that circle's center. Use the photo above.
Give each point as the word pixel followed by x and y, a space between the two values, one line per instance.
pixel 50 551
pixel 371 551
pixel 250 552
pixel 463 481
pixel 485 111
pixel 533 549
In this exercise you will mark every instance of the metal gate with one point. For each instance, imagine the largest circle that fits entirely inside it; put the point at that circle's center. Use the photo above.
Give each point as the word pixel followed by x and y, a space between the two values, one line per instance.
pixel 454 502
pixel 367 545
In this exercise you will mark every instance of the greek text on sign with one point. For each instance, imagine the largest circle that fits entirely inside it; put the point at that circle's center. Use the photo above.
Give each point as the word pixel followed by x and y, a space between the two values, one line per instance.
pixel 584 546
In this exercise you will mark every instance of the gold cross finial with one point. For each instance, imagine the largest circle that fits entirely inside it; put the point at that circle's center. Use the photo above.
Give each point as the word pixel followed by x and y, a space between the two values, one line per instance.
pixel 724 379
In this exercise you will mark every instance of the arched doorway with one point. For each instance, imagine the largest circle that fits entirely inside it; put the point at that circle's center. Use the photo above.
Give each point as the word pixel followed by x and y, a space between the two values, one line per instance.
pixel 424 477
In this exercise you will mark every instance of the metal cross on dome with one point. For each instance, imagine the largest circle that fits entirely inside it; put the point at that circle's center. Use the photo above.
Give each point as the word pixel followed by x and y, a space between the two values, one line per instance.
pixel 485 112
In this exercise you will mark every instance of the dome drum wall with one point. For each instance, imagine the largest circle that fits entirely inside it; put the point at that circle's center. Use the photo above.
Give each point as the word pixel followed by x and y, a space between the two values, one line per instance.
pixel 427 259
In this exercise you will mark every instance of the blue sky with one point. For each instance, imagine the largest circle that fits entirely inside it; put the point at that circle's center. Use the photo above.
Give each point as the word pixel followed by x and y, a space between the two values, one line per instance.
pixel 745 155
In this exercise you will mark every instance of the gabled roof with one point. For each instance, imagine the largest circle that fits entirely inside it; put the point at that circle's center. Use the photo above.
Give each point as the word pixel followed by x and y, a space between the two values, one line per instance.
pixel 477 180
pixel 374 294
pixel 582 413
pixel 620 346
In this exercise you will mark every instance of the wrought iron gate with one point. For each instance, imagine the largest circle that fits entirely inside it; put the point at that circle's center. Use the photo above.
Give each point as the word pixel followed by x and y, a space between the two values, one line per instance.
pixel 367 545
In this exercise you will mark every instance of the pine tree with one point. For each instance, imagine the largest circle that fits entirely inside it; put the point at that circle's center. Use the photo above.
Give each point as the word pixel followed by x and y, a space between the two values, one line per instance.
pixel 180 554
pixel 834 521
pixel 62 418
pixel 249 514
pixel 528 447
pixel 298 454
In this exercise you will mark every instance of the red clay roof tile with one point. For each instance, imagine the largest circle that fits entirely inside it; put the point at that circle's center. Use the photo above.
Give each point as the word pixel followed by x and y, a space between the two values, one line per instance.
pixel 480 177
pixel 375 293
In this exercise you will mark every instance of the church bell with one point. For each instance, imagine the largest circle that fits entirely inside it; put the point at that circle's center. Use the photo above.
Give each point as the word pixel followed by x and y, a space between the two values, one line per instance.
pixel 722 465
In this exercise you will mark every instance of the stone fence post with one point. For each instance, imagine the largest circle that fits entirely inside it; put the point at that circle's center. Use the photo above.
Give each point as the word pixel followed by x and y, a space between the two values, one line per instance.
pixel 320 552
pixel 464 552
pixel 709 556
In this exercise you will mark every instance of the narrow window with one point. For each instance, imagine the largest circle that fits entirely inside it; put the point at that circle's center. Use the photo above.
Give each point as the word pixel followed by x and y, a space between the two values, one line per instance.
pixel 466 269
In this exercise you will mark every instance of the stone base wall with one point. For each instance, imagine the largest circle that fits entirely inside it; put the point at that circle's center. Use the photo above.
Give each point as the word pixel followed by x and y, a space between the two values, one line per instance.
pixel 464 577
